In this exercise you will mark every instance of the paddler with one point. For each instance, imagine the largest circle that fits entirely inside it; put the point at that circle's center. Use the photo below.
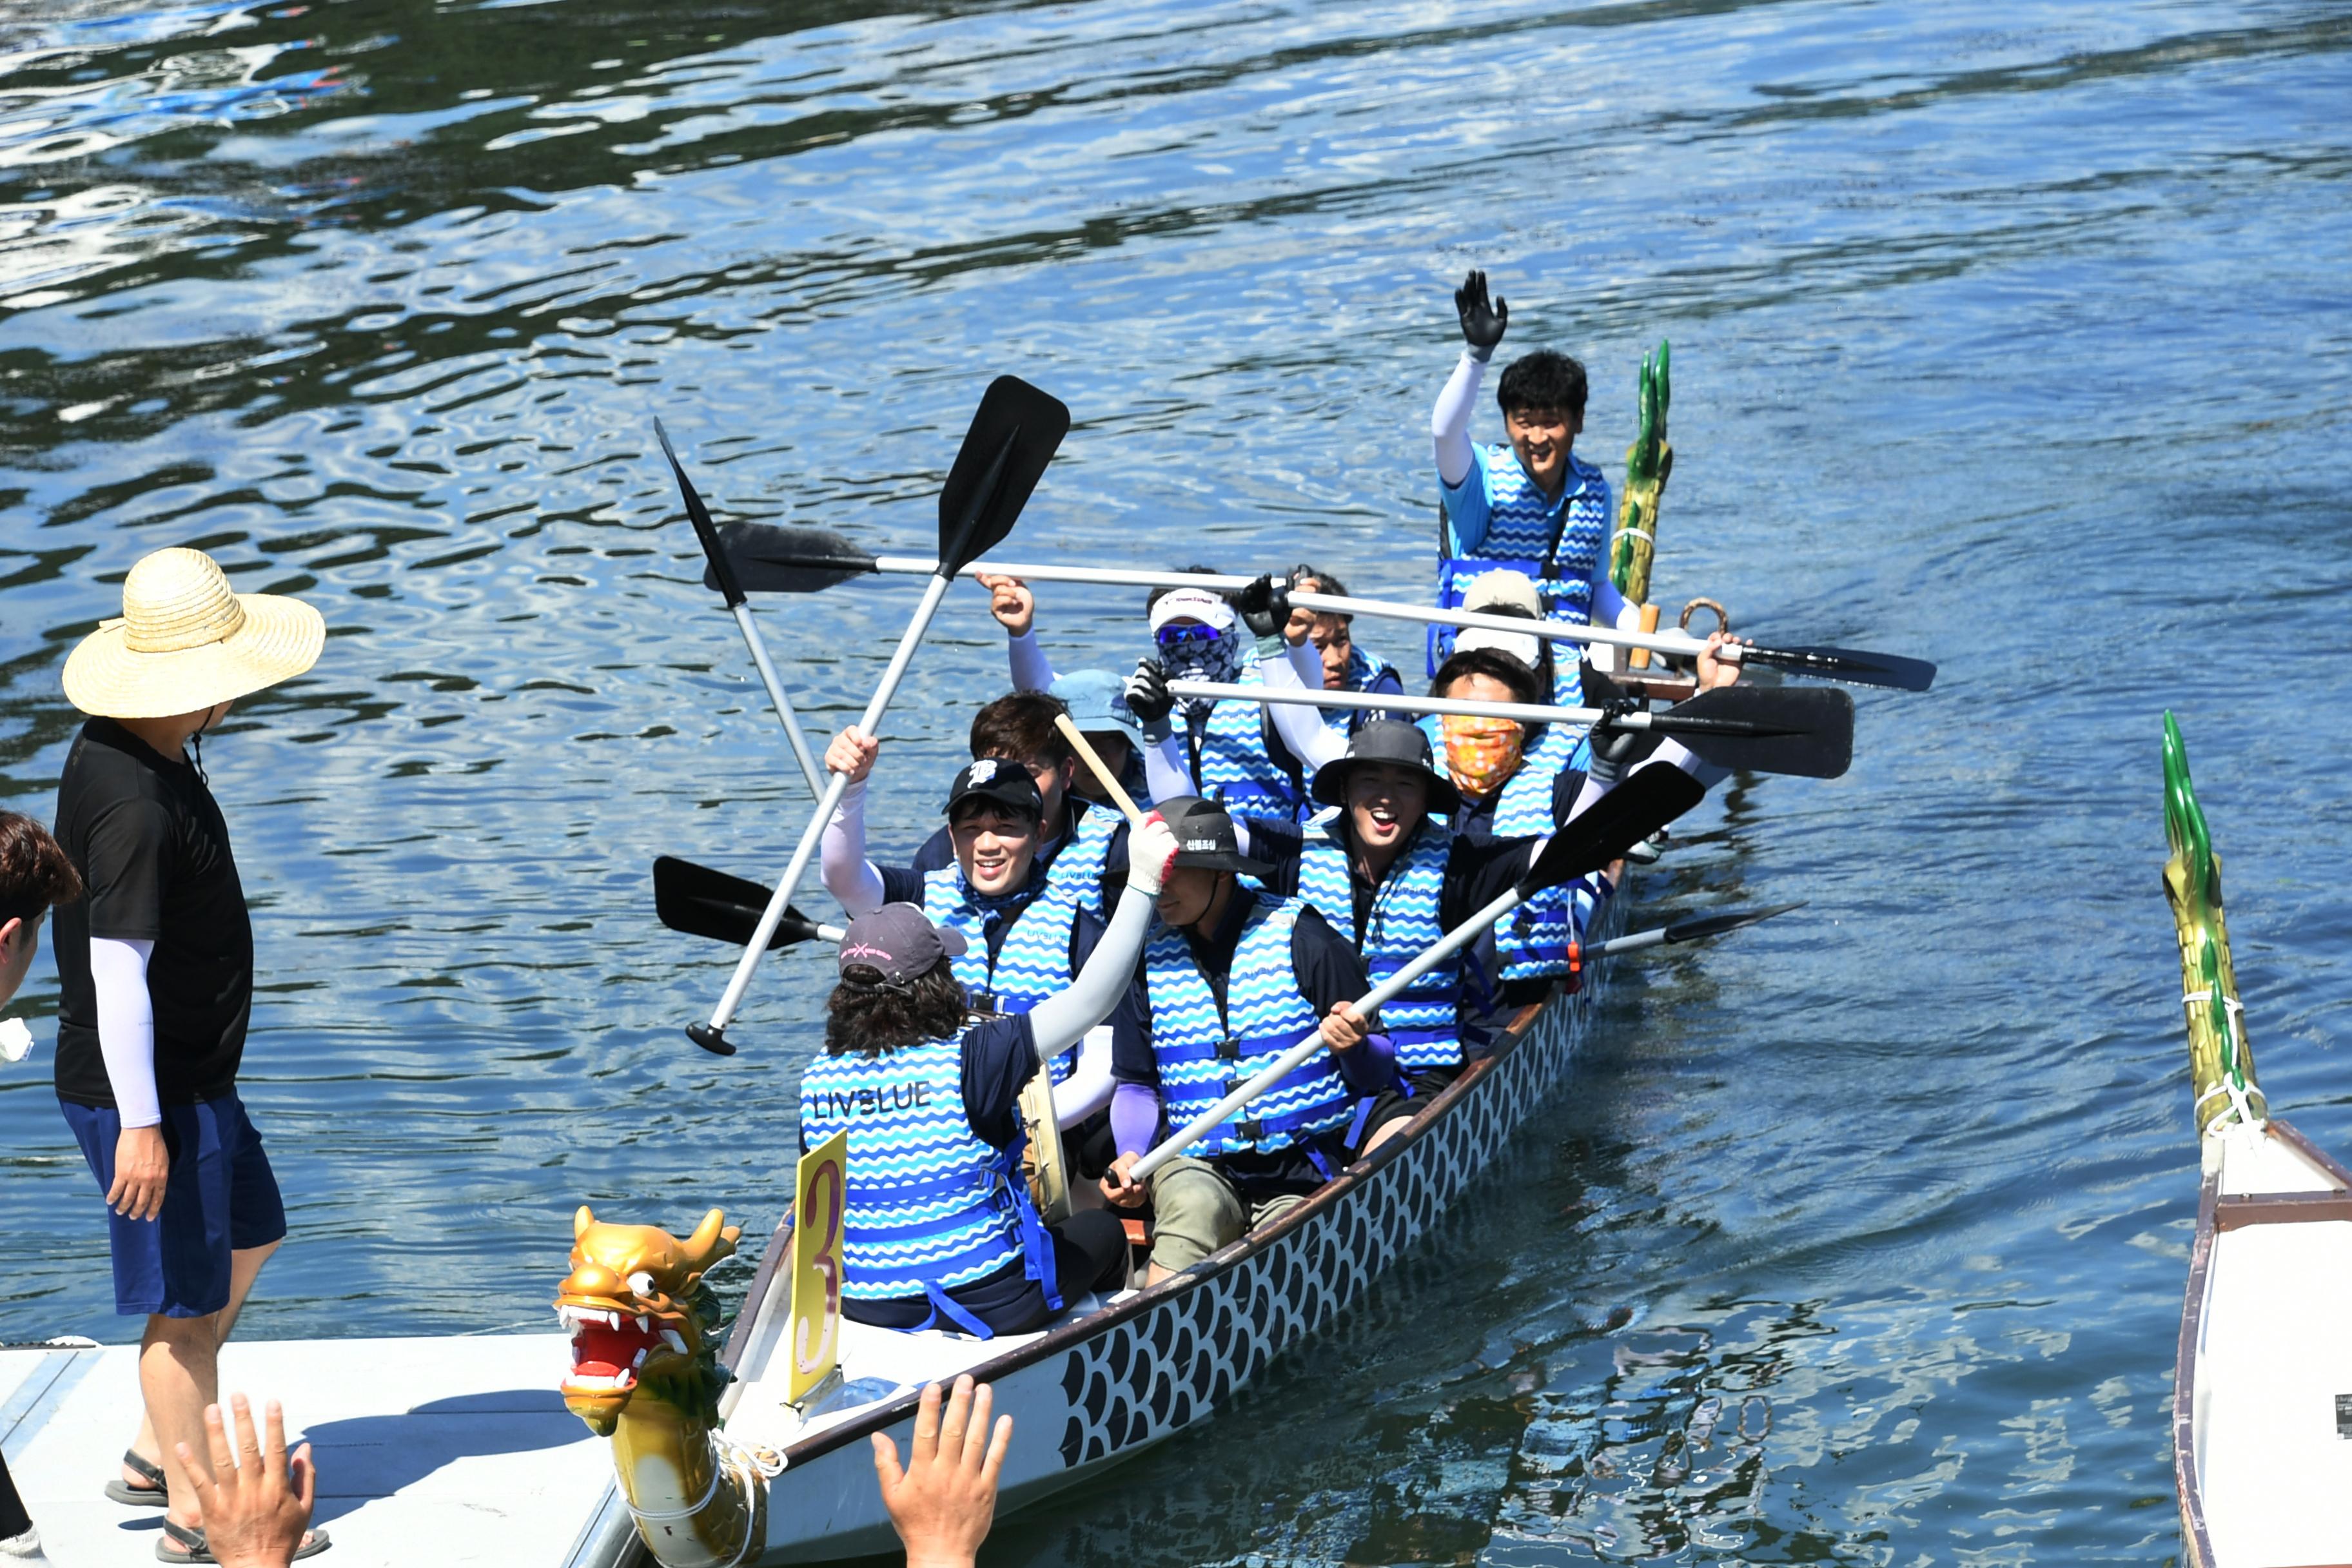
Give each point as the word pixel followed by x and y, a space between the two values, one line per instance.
pixel 1023 939
pixel 1224 748
pixel 1346 665
pixel 1096 699
pixel 938 1230
pixel 1526 504
pixel 1235 977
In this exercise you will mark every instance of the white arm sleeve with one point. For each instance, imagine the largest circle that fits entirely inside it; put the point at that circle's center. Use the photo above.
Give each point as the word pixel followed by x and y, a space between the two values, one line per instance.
pixel 1311 739
pixel 1167 769
pixel 1449 422
pixel 1062 1018
pixel 1032 670
pixel 849 876
pixel 1087 1088
pixel 126 1026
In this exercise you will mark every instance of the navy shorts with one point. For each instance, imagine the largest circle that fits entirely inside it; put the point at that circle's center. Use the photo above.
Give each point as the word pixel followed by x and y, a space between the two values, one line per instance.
pixel 220 1197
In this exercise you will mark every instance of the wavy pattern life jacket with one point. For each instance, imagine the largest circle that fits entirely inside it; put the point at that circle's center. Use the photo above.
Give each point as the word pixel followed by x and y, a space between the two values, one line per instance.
pixel 1201 1058
pixel 1236 767
pixel 1555 542
pixel 1363 670
pixel 1077 872
pixel 929 1205
pixel 1032 963
pixel 1533 941
pixel 1403 923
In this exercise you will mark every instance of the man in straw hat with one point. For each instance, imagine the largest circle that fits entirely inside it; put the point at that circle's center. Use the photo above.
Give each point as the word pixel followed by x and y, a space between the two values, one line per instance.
pixel 155 977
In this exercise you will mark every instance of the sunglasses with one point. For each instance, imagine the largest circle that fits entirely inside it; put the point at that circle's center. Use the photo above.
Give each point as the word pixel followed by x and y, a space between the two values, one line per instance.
pixel 1182 637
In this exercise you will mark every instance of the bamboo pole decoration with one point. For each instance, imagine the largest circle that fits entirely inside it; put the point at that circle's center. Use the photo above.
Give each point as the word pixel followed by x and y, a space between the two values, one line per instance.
pixel 2221 1062
pixel 1648 461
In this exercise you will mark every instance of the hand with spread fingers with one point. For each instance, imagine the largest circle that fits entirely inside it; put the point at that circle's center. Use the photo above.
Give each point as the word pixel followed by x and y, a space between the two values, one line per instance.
pixel 1148 697
pixel 942 1502
pixel 1011 602
pixel 1483 323
pixel 255 1502
pixel 852 752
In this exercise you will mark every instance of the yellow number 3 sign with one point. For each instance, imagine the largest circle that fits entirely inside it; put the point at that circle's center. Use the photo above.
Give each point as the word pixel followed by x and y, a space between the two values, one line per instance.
pixel 814 1332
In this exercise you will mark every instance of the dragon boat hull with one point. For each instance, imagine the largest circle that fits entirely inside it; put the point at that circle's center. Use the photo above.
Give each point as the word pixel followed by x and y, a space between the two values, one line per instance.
pixel 1122 1376
pixel 2262 1384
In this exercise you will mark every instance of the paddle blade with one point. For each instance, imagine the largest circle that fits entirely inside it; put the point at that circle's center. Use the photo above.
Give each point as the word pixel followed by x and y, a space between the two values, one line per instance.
pixel 767 559
pixel 1648 799
pixel 1803 731
pixel 1715 925
pixel 1848 663
pixel 715 573
pixel 1013 435
pixel 699 902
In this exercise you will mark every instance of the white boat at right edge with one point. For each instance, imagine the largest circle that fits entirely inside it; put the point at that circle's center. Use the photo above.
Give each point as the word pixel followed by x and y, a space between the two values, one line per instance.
pixel 2261 1425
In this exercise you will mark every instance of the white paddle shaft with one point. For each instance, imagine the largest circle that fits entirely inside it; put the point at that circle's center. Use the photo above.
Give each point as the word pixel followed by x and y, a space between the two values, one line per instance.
pixel 1297 1055
pixel 740 982
pixel 780 698
pixel 1525 713
pixel 1680 645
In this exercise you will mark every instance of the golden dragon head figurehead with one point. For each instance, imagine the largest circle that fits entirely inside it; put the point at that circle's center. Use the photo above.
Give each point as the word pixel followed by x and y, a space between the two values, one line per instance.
pixel 638 1313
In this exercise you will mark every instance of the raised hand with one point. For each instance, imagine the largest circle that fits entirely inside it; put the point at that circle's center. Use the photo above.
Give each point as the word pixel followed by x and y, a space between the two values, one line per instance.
pixel 852 752
pixel 1481 323
pixel 1265 605
pixel 1148 697
pixel 942 1502
pixel 1011 602
pixel 1151 851
pixel 257 1502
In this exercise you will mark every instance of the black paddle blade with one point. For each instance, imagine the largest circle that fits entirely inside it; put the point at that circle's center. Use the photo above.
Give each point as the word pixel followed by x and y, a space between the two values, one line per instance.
pixel 1848 663
pixel 1648 799
pixel 700 901
pixel 1013 435
pixel 716 574
pixel 1804 730
pixel 1715 925
pixel 767 559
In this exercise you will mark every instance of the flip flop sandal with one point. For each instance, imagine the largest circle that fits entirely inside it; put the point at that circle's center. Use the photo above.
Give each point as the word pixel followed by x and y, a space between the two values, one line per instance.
pixel 150 1496
pixel 313 1543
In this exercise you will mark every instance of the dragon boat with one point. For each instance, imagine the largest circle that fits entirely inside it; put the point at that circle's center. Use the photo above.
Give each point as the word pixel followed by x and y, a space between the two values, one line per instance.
pixel 1109 1379
pixel 2262 1396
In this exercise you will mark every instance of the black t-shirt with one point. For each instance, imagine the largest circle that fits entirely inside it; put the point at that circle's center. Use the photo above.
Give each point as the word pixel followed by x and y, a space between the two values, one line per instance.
pixel 154 852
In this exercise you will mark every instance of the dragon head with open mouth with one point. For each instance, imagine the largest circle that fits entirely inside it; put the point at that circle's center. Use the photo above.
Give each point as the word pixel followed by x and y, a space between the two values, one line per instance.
pixel 640 1316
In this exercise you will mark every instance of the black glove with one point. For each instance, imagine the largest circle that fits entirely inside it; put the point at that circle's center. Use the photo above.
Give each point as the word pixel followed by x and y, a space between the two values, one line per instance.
pixel 1482 324
pixel 1611 747
pixel 1147 692
pixel 1265 605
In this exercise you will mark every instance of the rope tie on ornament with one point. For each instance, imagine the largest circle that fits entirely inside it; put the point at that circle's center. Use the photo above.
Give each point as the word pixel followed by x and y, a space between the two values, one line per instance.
pixel 727 1455
pixel 2233 1073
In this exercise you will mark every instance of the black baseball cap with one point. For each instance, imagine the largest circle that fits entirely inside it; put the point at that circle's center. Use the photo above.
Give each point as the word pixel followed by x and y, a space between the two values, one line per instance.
pixel 1205 836
pixel 994 778
pixel 900 940
pixel 1386 740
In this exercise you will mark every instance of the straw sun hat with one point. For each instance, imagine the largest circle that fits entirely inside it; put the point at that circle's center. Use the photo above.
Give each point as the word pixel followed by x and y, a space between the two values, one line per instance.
pixel 187 642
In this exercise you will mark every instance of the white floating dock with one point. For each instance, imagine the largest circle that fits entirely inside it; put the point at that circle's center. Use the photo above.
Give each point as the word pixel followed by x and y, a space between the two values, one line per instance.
pixel 443 1451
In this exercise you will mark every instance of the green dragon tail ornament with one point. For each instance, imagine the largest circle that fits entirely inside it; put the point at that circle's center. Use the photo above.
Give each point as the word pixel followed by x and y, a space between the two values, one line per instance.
pixel 646 1373
pixel 2221 1064
pixel 1648 461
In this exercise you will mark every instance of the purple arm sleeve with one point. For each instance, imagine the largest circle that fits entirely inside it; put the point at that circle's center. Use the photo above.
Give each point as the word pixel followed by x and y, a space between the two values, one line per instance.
pixel 1370 1067
pixel 1134 1118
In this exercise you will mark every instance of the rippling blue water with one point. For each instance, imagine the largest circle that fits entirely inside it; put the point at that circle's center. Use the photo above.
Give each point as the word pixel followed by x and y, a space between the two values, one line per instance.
pixel 2012 334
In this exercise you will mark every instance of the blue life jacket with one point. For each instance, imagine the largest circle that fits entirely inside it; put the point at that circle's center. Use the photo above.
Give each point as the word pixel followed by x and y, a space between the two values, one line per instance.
pixel 1556 542
pixel 1403 922
pixel 1238 770
pixel 1533 942
pixel 1076 871
pixel 1364 668
pixel 1201 1058
pixel 928 1205
pixel 1033 962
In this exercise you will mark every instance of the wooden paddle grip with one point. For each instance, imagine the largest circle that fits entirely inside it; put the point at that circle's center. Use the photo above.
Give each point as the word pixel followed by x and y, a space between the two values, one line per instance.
pixel 1093 759
pixel 1641 659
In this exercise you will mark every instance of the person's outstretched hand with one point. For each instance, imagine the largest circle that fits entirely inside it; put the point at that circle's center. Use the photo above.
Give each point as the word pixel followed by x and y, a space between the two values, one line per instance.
pixel 1481 323
pixel 256 1507
pixel 1011 602
pixel 943 1502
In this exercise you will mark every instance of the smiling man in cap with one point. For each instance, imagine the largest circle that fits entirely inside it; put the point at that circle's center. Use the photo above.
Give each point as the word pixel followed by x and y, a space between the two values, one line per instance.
pixel 1237 976
pixel 156 983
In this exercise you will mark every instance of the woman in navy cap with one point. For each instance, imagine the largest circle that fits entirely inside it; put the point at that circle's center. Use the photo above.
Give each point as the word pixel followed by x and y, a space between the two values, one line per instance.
pixel 938 1230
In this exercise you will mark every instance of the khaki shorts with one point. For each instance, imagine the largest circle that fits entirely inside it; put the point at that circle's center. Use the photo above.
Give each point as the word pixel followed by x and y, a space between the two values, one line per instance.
pixel 1195 1210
